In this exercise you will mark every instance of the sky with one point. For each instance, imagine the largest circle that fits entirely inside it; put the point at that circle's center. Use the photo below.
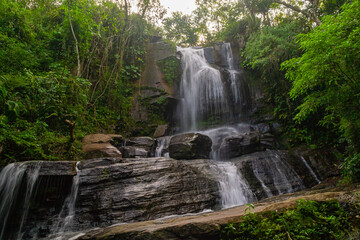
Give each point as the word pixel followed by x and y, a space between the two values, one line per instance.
pixel 185 6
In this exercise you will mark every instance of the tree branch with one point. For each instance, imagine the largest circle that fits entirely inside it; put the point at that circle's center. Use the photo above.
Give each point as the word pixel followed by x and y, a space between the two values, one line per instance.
pixel 313 16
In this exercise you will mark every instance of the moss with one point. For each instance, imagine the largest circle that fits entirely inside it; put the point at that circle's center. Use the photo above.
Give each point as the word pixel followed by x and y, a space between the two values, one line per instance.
pixel 171 68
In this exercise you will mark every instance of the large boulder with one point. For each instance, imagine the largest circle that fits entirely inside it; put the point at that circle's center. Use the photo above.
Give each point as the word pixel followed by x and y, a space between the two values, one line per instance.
pixel 235 146
pixel 101 145
pixel 190 146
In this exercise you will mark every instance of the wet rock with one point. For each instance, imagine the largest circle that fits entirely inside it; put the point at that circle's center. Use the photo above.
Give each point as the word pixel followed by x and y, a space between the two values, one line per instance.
pixel 139 147
pixel 267 141
pixel 142 189
pixel 60 168
pixel 235 146
pixel 209 225
pixel 209 55
pixel 160 131
pixel 190 146
pixel 91 163
pixel 271 173
pixel 145 142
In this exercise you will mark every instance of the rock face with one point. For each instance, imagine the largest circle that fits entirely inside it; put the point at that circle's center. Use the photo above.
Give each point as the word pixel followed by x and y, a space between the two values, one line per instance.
pixel 190 146
pixel 140 189
pixel 101 145
pixel 209 225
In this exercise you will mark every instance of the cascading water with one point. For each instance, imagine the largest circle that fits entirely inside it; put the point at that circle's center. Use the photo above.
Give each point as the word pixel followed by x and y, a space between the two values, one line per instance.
pixel 11 179
pixel 67 213
pixel 201 89
pixel 203 96
pixel 310 170
pixel 162 146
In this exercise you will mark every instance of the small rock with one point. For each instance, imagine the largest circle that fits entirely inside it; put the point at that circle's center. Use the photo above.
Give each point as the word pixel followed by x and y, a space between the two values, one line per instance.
pixel 160 131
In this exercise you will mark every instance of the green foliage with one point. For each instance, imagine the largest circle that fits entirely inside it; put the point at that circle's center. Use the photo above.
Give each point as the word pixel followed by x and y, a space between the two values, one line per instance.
pixel 171 68
pixel 180 29
pixel 326 76
pixel 309 220
pixel 39 84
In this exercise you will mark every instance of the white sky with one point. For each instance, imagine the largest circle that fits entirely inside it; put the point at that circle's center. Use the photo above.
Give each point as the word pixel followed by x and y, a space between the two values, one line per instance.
pixel 185 6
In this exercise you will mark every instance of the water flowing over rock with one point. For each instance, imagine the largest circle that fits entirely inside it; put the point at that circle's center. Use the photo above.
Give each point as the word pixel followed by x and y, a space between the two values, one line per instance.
pixel 10 189
pixel 201 89
pixel 233 162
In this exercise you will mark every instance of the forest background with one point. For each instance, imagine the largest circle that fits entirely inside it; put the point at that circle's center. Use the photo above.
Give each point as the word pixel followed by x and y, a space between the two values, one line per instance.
pixel 73 64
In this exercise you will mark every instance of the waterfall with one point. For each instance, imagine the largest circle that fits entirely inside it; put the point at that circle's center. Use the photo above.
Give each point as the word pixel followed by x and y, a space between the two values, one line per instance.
pixel 11 192
pixel 310 170
pixel 201 89
pixel 162 146
pixel 234 189
pixel 66 216
pixel 204 97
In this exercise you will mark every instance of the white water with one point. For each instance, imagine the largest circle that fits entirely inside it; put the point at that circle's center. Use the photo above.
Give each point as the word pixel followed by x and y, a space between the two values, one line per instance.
pixel 203 95
pixel 66 216
pixel 162 143
pixel 11 178
pixel 310 170
pixel 201 89
pixel 234 190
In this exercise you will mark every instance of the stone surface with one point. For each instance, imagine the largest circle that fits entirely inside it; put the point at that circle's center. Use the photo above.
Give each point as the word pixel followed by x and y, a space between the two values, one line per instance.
pixel 190 146
pixel 98 150
pixel 271 173
pixel 138 147
pixel 208 225
pixel 102 138
pixel 101 145
pixel 141 189
pixel 160 131
pixel 135 152
pixel 57 168
pixel 235 146
pixel 146 142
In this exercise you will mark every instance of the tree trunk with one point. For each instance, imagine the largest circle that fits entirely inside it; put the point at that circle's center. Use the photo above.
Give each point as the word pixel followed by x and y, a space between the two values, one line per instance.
pixel 76 43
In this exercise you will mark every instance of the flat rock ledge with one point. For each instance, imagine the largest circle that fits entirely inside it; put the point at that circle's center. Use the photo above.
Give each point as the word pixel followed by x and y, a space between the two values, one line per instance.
pixel 208 225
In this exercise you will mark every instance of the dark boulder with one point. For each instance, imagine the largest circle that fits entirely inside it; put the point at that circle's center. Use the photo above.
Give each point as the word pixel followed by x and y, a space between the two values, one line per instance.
pixel 190 146
pixel 235 146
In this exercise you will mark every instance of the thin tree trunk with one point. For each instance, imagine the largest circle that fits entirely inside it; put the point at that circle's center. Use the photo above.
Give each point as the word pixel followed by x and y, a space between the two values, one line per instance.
pixel 76 43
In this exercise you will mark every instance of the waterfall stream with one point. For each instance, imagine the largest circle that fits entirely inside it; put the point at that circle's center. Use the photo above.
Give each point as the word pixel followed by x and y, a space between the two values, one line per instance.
pixel 66 216
pixel 11 193
pixel 204 96
pixel 124 189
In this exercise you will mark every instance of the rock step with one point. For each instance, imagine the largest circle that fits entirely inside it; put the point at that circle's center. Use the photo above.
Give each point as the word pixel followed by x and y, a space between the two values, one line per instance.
pixel 208 225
